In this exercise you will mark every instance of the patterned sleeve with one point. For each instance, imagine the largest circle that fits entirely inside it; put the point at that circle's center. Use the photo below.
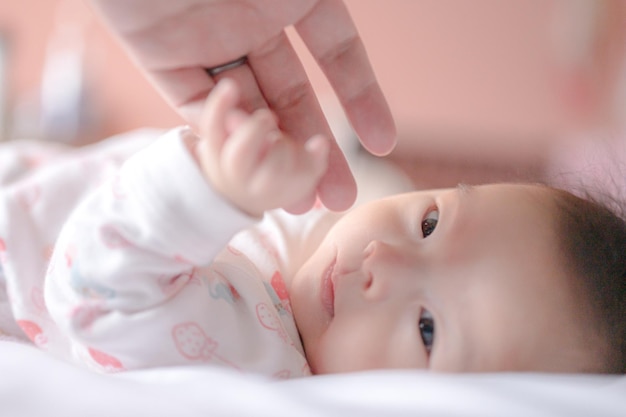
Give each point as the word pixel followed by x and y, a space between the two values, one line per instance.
pixel 126 253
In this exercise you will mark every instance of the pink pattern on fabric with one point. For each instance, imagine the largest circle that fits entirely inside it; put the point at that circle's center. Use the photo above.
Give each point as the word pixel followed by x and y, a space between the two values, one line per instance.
pixel 3 251
pixel 269 319
pixel 220 287
pixel 278 284
pixel 107 362
pixel 112 238
pixel 34 332
pixel 192 343
pixel 171 285
pixel 84 315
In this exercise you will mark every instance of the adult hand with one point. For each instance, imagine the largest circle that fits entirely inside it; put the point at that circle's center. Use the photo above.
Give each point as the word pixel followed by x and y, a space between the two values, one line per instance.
pixel 175 41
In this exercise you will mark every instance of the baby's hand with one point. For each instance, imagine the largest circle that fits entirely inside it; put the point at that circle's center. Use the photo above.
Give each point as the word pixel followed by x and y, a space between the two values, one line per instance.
pixel 250 161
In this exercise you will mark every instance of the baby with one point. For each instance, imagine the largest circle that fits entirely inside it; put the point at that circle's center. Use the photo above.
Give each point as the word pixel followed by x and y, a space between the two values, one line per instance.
pixel 178 257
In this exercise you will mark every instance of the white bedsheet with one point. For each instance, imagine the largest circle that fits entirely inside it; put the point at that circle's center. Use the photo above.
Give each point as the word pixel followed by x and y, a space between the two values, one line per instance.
pixel 33 384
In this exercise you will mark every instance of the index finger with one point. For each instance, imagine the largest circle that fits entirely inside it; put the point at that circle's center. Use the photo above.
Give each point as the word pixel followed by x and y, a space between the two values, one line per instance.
pixel 332 38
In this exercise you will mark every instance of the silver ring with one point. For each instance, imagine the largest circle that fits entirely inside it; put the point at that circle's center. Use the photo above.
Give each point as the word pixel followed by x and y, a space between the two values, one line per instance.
pixel 227 66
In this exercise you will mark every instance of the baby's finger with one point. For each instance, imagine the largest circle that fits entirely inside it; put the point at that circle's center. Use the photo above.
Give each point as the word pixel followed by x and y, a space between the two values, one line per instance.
pixel 222 100
pixel 250 96
pixel 293 171
pixel 235 119
pixel 318 147
pixel 247 146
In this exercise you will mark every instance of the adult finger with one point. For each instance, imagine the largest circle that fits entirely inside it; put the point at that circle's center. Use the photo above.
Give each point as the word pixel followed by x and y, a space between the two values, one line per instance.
pixel 288 92
pixel 332 38
pixel 186 89
pixel 251 97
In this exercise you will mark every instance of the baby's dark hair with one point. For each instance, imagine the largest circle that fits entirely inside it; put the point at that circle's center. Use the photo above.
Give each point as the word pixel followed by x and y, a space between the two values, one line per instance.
pixel 592 237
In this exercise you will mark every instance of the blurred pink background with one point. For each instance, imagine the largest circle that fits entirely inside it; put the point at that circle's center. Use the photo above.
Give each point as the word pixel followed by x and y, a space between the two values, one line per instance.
pixel 485 81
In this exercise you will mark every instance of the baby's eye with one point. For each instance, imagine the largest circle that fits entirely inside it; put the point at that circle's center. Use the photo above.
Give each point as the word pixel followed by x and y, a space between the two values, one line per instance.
pixel 427 330
pixel 430 222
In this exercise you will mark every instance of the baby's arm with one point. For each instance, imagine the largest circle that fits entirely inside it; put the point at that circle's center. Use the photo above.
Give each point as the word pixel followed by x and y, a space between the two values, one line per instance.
pixel 251 162
pixel 123 272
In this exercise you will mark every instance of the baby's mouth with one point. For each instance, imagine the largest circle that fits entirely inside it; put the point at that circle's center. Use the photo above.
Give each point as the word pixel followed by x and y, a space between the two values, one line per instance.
pixel 328 289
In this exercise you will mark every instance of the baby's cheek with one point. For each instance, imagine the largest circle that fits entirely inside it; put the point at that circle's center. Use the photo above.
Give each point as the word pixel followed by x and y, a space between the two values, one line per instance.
pixel 339 350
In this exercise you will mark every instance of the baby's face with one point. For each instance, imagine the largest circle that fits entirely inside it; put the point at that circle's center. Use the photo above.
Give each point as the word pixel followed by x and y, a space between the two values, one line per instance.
pixel 462 280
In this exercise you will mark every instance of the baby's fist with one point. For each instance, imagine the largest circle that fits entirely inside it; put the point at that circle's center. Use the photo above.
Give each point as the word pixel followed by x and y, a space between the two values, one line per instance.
pixel 250 161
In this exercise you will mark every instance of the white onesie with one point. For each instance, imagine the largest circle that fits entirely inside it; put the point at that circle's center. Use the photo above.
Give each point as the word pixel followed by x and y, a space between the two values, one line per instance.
pixel 122 262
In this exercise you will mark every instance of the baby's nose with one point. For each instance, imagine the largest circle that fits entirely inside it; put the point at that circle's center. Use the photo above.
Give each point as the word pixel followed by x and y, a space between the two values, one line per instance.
pixel 388 268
